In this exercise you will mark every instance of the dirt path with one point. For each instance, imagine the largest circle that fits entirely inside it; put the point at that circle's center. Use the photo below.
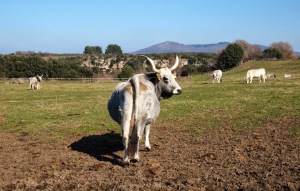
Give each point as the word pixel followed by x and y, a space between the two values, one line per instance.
pixel 263 159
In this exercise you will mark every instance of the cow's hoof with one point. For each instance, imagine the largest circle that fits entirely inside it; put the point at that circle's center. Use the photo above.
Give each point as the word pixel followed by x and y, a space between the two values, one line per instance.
pixel 126 160
pixel 148 148
pixel 136 158
pixel 134 161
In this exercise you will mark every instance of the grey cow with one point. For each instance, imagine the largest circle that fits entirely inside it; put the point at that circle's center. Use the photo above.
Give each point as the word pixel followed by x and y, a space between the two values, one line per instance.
pixel 134 104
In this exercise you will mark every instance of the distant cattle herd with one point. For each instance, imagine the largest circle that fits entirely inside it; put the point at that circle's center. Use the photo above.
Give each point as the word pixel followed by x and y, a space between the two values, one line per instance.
pixel 216 75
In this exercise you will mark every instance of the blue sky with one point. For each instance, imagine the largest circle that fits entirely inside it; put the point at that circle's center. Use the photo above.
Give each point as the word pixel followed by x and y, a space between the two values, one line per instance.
pixel 67 26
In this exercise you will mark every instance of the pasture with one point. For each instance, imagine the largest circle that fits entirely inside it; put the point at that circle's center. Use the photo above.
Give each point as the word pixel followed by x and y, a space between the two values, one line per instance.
pixel 230 135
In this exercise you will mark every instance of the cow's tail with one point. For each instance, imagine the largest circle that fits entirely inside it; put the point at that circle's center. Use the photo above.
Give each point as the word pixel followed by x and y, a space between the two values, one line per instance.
pixel 135 86
pixel 134 132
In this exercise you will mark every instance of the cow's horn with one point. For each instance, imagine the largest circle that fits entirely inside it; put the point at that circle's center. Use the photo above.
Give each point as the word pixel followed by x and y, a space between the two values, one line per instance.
pixel 152 64
pixel 176 64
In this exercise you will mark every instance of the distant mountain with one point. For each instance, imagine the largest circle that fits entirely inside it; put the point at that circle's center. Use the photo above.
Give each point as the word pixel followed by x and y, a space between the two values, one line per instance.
pixel 167 47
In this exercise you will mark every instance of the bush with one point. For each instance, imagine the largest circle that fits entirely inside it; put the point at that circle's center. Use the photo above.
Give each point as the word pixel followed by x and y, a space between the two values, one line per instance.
pixel 188 70
pixel 127 72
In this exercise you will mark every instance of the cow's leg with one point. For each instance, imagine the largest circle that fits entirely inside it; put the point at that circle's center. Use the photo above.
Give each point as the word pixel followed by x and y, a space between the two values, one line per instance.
pixel 136 140
pixel 136 156
pixel 125 135
pixel 139 133
pixel 147 133
pixel 125 139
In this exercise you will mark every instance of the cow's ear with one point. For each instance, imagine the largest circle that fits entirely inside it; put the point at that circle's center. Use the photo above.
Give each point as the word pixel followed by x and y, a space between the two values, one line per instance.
pixel 158 76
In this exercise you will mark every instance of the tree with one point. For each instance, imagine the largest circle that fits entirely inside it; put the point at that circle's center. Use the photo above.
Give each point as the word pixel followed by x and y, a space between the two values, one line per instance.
pixel 98 50
pixel 92 50
pixel 285 49
pixel 250 51
pixel 113 49
pixel 272 53
pixel 230 57
pixel 87 50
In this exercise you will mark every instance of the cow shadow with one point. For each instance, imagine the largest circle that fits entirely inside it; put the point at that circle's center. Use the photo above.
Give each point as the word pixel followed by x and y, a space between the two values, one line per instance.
pixel 102 147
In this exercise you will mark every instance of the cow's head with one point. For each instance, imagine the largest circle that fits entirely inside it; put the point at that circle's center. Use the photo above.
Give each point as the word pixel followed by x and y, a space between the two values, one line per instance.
pixel 167 83
pixel 39 78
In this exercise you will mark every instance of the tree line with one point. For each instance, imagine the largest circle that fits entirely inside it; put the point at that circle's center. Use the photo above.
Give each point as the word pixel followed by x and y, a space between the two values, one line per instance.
pixel 31 64
pixel 110 49
pixel 16 66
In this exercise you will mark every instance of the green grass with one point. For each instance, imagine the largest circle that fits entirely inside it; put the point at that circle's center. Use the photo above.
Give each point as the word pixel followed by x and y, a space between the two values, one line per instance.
pixel 65 109
pixel 59 109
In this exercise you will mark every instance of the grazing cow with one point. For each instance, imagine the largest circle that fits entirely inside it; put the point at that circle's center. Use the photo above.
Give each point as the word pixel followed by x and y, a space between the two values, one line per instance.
pixel 217 75
pixel 256 73
pixel 134 104
pixel 35 82
pixel 287 75
pixel 271 75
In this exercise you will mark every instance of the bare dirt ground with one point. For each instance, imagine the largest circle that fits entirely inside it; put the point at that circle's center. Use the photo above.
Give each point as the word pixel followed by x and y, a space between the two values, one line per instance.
pixel 267 158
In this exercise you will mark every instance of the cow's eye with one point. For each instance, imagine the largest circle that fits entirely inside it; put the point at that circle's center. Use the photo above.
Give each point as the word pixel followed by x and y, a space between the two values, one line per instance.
pixel 166 80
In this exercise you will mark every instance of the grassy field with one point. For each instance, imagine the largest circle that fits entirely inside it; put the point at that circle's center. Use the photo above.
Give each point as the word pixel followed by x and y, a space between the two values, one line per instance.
pixel 63 109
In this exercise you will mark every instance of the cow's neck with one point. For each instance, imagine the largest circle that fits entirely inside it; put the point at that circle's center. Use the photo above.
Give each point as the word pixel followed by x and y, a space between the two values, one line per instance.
pixel 159 86
pixel 161 91
pixel 38 79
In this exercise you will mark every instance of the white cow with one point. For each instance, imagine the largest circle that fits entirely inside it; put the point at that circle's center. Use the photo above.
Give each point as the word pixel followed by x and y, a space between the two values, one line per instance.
pixel 217 75
pixel 134 105
pixel 287 75
pixel 256 73
pixel 35 82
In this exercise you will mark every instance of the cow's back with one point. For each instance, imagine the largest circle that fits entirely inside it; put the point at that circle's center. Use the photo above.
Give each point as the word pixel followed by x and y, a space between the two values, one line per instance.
pixel 122 100
pixel 257 72
pixel 262 72
pixel 219 74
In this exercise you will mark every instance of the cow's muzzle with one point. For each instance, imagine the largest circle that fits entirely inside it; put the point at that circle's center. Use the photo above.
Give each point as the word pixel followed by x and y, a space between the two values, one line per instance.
pixel 177 91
